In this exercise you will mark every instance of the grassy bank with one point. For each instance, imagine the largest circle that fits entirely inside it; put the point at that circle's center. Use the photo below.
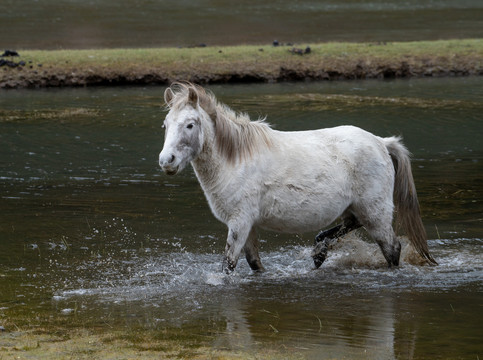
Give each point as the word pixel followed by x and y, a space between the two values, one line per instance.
pixel 330 61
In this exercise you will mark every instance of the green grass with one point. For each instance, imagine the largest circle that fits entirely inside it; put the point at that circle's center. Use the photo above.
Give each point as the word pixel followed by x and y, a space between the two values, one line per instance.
pixel 253 63
pixel 248 53
pixel 243 52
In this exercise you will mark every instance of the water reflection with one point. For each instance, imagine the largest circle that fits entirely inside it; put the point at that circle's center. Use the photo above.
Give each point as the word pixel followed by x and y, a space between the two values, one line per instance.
pixel 368 332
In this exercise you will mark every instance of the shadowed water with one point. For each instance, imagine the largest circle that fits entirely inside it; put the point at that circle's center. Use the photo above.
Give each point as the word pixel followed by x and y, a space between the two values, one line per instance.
pixel 50 24
pixel 91 229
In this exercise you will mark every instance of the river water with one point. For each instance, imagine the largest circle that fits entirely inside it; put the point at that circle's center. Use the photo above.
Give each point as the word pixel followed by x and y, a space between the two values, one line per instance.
pixel 54 24
pixel 91 230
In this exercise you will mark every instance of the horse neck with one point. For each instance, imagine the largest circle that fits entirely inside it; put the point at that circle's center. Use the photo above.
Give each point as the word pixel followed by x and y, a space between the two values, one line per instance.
pixel 209 164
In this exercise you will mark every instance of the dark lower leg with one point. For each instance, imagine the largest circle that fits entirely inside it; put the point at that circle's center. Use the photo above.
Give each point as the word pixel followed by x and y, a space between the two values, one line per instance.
pixel 339 230
pixel 328 237
pixel 251 252
pixel 391 252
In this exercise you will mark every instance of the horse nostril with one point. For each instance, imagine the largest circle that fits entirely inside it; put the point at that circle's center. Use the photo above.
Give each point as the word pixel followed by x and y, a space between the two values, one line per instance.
pixel 172 159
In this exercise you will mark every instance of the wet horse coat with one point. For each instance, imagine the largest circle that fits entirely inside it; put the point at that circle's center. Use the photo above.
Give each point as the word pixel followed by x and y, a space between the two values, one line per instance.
pixel 256 177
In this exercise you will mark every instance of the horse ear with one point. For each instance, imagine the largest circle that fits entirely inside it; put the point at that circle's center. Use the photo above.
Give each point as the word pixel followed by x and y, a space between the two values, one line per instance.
pixel 168 96
pixel 192 96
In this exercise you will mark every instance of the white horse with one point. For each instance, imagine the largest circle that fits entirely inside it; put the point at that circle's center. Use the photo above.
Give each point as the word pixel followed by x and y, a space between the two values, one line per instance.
pixel 256 177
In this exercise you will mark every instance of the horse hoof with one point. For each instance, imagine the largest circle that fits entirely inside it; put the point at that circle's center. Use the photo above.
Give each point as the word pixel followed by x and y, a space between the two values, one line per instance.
pixel 227 270
pixel 227 266
pixel 260 270
pixel 319 248
pixel 319 260
pixel 319 253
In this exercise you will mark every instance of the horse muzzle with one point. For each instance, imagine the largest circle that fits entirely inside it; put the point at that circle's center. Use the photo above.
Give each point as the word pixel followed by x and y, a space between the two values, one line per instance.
pixel 169 164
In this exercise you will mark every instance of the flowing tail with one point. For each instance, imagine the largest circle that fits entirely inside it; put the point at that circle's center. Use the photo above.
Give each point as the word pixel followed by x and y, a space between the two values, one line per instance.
pixel 406 200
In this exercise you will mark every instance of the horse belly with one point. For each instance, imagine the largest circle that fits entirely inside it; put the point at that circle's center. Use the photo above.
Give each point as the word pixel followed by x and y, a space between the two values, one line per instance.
pixel 292 212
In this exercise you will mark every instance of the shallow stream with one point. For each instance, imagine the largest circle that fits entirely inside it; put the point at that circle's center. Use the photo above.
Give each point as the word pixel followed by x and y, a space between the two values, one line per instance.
pixel 91 229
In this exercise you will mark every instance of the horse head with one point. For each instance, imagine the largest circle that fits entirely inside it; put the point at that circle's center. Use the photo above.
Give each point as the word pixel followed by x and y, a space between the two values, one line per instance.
pixel 183 129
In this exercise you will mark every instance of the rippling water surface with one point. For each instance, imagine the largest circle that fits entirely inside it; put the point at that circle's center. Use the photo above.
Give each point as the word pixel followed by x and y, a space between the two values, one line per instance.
pixel 92 230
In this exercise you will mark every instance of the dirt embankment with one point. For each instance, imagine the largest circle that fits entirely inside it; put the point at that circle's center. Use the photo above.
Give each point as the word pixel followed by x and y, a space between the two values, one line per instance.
pixel 34 69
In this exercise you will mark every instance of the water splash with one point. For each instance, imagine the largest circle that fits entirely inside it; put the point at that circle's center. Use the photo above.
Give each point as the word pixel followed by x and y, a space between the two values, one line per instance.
pixel 353 260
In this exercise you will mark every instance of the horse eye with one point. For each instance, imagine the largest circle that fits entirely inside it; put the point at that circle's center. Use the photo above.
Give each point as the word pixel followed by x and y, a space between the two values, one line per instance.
pixel 190 126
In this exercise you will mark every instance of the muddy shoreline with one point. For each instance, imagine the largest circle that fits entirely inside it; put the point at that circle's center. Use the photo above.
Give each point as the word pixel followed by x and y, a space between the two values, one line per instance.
pixel 249 65
pixel 52 78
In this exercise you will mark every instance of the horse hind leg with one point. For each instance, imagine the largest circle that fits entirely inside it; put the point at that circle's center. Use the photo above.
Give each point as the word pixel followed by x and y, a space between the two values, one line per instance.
pixel 251 252
pixel 330 236
pixel 323 240
pixel 388 243
pixel 380 229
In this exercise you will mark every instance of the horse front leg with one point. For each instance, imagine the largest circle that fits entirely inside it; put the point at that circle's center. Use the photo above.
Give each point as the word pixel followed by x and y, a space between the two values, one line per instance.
pixel 326 238
pixel 236 240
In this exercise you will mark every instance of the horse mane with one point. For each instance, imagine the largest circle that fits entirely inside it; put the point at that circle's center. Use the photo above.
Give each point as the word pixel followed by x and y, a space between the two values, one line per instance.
pixel 236 136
